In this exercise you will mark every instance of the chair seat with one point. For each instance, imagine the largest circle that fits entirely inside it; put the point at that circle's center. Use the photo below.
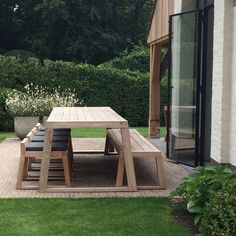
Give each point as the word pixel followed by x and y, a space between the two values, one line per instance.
pixel 55 139
pixel 68 130
pixel 55 133
pixel 38 146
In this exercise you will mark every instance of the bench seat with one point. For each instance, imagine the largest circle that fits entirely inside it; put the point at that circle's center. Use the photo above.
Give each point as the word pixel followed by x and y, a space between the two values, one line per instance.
pixel 140 147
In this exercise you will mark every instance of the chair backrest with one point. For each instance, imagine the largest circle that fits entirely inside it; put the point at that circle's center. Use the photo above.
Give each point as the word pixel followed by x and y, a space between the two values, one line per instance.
pixel 38 126
pixel 34 130
pixel 30 135
pixel 23 144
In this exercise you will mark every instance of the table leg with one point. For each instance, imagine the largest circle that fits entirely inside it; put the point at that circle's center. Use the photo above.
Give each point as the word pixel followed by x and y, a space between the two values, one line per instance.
pixel 43 180
pixel 129 162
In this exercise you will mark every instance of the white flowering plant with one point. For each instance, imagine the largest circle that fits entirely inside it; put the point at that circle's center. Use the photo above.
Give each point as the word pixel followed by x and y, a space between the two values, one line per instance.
pixel 37 101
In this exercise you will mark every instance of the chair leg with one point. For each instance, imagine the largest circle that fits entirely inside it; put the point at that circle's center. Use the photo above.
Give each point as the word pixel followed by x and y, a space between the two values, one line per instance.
pixel 120 171
pixel 30 161
pixel 21 171
pixel 159 165
pixel 66 170
pixel 27 168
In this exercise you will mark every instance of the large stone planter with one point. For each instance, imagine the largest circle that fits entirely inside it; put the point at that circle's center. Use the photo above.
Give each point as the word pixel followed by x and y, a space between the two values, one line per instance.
pixel 24 124
pixel 45 118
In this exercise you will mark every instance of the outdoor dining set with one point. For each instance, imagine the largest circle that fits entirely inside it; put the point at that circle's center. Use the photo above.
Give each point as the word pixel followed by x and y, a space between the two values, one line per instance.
pixel 53 144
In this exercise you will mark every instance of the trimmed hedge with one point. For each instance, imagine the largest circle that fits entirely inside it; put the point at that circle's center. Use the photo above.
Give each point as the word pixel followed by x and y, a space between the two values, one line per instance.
pixel 6 121
pixel 135 60
pixel 127 92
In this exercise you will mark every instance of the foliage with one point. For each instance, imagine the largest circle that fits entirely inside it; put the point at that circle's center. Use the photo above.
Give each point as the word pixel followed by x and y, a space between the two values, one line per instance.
pixel 123 90
pixel 6 121
pixel 164 97
pixel 24 54
pixel 137 59
pixel 201 186
pixel 36 101
pixel 79 30
pixel 4 135
pixel 219 218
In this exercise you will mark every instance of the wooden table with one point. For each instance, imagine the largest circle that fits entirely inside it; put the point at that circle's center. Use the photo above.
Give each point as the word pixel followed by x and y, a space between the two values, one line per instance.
pixel 86 117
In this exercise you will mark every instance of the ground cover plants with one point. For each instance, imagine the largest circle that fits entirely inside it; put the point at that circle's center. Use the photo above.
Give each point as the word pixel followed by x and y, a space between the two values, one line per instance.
pixel 202 192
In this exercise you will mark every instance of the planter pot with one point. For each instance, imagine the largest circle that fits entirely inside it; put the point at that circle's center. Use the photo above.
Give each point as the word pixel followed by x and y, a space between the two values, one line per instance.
pixel 24 124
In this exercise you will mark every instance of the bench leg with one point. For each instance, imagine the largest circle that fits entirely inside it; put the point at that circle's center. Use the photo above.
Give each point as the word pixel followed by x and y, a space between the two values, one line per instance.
pixel 70 166
pixel 70 149
pixel 66 170
pixel 108 146
pixel 161 177
pixel 21 171
pixel 120 171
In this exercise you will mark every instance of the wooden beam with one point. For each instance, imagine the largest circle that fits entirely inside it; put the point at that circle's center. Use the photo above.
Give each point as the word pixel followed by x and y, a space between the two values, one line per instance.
pixel 154 93
pixel 163 40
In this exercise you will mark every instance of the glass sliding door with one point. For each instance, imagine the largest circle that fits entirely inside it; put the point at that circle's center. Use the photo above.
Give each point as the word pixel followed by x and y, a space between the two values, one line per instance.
pixel 183 109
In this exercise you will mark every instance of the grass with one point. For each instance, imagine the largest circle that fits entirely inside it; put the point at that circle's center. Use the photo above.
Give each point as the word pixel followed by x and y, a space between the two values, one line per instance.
pixel 105 217
pixel 86 133
pixel 4 135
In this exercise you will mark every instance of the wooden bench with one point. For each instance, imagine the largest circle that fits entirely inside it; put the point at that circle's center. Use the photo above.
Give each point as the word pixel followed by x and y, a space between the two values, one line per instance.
pixel 140 148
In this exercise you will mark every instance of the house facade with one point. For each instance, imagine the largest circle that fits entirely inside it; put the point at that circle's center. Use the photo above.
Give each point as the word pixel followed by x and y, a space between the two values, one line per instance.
pixel 201 37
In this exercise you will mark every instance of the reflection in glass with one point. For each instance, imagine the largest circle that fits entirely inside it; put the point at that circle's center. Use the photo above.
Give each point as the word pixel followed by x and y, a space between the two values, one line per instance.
pixel 183 88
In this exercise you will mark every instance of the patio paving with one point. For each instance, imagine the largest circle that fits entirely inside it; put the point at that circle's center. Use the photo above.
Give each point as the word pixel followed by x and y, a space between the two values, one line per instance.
pixel 96 170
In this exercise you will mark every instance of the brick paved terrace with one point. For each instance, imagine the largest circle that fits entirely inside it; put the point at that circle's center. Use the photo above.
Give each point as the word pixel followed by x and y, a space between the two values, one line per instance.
pixel 96 170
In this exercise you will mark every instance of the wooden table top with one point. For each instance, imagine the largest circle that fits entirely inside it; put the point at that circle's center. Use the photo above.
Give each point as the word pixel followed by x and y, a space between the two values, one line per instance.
pixel 85 117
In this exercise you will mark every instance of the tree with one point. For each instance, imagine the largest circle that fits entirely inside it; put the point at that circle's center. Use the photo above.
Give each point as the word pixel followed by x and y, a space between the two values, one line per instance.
pixel 79 30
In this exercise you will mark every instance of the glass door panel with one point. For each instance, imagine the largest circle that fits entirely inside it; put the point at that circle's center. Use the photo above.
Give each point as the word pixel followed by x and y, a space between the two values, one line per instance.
pixel 183 88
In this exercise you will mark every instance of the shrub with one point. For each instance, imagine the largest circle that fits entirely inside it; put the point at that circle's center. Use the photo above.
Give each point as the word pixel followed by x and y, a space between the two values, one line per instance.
pixel 127 92
pixel 219 218
pixel 123 90
pixel 199 187
pixel 135 60
pixel 6 121
pixel 23 54
pixel 15 73
pixel 36 101
pixel 164 96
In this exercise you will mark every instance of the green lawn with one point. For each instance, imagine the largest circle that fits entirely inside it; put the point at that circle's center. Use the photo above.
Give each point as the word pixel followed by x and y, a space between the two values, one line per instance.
pixel 105 217
pixel 4 135
pixel 82 133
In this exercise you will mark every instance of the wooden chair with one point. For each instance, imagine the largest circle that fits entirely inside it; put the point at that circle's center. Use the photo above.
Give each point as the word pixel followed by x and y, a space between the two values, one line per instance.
pixel 140 147
pixel 29 150
pixel 39 130
pixel 34 138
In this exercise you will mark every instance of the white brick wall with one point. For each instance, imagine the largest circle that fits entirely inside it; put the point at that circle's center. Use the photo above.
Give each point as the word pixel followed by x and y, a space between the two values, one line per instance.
pixel 222 82
pixel 177 6
pixel 232 158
